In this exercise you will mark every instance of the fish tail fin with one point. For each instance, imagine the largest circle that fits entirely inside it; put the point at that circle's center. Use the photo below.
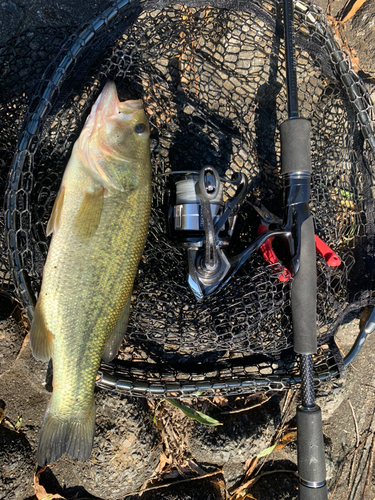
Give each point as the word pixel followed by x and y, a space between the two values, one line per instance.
pixel 72 435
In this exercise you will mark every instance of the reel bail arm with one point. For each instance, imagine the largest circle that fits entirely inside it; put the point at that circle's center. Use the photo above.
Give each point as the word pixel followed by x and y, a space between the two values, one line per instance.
pixel 206 189
pixel 207 267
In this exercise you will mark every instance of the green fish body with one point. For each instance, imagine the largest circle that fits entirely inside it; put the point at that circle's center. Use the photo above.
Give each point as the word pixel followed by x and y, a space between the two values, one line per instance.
pixel 99 223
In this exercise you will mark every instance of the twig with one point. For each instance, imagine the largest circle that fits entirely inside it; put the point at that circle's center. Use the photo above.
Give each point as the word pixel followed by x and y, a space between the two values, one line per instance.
pixel 355 423
pixel 351 477
pixel 166 485
pixel 330 8
pixel 284 414
pixel 343 465
pixel 370 465
pixel 351 474
pixel 354 368
pixel 255 479
pixel 286 401
pixel 247 408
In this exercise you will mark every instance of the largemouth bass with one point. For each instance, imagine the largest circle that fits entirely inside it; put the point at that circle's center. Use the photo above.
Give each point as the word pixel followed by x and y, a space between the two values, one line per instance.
pixel 99 223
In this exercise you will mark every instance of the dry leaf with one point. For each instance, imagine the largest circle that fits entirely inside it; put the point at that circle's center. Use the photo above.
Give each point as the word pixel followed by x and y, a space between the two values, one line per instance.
pixel 40 492
pixel 220 487
pixel 290 437
pixel 196 468
pixel 241 490
pixel 164 467
pixel 220 400
pixel 353 10
pixel 163 461
pixel 250 467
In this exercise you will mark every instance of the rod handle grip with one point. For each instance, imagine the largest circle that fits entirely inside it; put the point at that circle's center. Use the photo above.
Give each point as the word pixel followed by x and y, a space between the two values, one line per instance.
pixel 310 453
pixel 303 294
pixel 295 150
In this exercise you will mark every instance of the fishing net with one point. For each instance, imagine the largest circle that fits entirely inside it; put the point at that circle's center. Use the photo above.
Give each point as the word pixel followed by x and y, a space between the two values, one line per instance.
pixel 212 77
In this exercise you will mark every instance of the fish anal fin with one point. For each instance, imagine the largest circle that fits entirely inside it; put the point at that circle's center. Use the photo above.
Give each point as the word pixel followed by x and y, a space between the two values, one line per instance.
pixel 88 217
pixel 54 220
pixel 41 339
pixel 114 341
pixel 71 435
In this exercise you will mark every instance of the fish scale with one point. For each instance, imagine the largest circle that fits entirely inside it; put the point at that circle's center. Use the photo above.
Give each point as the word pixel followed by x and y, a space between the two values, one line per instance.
pixel 99 223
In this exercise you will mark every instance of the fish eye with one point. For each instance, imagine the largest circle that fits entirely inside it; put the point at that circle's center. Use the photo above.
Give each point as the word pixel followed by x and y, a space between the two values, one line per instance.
pixel 140 128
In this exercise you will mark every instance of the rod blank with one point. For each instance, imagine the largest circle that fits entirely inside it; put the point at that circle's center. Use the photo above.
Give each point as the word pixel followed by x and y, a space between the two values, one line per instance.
pixel 290 60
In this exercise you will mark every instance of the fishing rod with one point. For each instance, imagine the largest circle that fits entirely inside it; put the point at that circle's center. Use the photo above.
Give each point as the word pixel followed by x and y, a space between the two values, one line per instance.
pixel 210 268
pixel 296 172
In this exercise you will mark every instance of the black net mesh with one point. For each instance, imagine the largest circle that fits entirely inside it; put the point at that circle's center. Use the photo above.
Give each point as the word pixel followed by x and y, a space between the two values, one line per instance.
pixel 213 81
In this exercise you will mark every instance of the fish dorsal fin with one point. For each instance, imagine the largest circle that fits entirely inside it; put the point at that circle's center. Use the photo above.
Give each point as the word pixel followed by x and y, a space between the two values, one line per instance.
pixel 113 342
pixel 88 217
pixel 41 339
pixel 54 220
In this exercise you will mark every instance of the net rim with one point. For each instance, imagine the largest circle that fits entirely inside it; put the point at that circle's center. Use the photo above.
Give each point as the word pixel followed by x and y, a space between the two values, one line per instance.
pixel 33 124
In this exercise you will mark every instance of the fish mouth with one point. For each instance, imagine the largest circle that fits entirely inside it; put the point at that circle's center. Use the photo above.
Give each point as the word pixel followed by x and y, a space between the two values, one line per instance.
pixel 128 107
pixel 108 103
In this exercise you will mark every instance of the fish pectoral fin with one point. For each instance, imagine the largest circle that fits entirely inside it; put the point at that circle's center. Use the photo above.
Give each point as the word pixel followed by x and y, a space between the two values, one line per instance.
pixel 54 220
pixel 88 217
pixel 113 342
pixel 41 339
pixel 71 434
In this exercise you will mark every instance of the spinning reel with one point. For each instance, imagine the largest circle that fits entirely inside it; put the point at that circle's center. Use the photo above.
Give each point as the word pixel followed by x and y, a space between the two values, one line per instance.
pixel 200 221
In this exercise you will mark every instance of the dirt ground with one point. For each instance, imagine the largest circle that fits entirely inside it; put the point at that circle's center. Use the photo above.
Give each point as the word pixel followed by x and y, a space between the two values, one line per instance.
pixel 137 439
